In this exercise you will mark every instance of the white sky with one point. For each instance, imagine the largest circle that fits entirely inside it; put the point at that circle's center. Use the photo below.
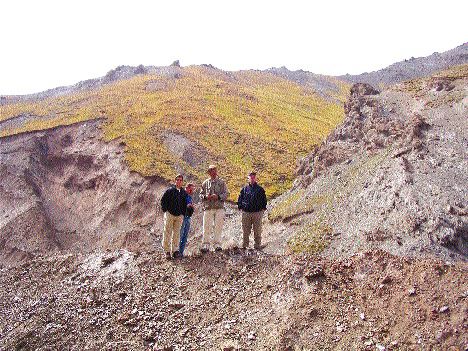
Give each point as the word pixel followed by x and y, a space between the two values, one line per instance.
pixel 45 44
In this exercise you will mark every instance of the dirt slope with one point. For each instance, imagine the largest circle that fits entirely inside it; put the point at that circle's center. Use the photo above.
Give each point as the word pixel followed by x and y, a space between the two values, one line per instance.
pixel 66 190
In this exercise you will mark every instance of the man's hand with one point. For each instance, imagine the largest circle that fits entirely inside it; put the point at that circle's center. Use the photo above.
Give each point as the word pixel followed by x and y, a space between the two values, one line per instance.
pixel 213 197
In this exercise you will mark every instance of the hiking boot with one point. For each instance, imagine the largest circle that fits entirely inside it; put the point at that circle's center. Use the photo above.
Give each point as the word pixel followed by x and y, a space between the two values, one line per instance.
pixel 176 254
pixel 219 248
pixel 168 256
pixel 259 247
pixel 204 250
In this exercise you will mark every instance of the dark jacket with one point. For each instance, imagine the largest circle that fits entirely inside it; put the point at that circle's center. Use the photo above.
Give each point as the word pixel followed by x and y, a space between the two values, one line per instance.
pixel 252 198
pixel 189 210
pixel 174 201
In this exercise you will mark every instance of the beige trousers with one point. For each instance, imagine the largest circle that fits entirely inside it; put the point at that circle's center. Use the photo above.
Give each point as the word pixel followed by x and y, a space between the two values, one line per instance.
pixel 249 220
pixel 213 221
pixel 171 234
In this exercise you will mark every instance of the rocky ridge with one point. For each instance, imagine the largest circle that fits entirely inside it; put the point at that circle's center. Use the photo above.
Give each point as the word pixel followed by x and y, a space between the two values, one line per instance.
pixel 393 175
pixel 412 68
pixel 118 73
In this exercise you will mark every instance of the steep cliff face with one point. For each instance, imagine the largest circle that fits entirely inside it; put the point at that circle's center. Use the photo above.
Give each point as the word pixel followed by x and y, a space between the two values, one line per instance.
pixel 393 175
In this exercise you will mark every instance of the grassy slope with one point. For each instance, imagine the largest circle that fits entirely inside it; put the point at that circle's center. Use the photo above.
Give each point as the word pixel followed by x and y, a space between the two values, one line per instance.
pixel 240 120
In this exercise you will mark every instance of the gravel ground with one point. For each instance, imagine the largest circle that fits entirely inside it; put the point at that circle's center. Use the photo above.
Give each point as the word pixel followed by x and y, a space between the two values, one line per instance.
pixel 233 300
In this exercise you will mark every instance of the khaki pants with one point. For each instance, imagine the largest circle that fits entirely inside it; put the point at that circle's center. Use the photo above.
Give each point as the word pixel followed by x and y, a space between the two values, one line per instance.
pixel 249 220
pixel 213 221
pixel 171 234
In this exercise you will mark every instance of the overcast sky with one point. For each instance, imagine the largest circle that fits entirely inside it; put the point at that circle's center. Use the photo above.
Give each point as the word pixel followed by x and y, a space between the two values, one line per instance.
pixel 45 44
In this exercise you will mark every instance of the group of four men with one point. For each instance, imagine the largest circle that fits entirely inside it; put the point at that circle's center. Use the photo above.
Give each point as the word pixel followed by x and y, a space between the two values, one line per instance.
pixel 177 205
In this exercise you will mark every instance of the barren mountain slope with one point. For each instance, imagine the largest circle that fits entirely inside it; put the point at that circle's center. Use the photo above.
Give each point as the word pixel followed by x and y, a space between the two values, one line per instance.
pixel 119 73
pixel 392 176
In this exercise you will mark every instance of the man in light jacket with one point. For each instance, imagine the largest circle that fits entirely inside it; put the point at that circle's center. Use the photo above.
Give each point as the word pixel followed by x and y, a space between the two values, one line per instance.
pixel 213 193
pixel 252 201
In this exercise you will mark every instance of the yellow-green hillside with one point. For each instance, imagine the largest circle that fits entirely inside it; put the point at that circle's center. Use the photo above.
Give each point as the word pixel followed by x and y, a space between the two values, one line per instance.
pixel 239 121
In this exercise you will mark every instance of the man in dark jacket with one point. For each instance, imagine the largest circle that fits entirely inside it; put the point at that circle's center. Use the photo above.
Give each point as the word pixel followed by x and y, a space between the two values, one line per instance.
pixel 252 201
pixel 174 205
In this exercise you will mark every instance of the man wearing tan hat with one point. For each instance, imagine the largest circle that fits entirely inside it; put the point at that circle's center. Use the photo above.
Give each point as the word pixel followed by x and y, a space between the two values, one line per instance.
pixel 213 193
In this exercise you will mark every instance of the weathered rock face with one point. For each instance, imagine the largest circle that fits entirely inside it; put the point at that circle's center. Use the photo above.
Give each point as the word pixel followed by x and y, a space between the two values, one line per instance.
pixel 361 89
pixel 368 127
pixel 395 172
pixel 66 190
